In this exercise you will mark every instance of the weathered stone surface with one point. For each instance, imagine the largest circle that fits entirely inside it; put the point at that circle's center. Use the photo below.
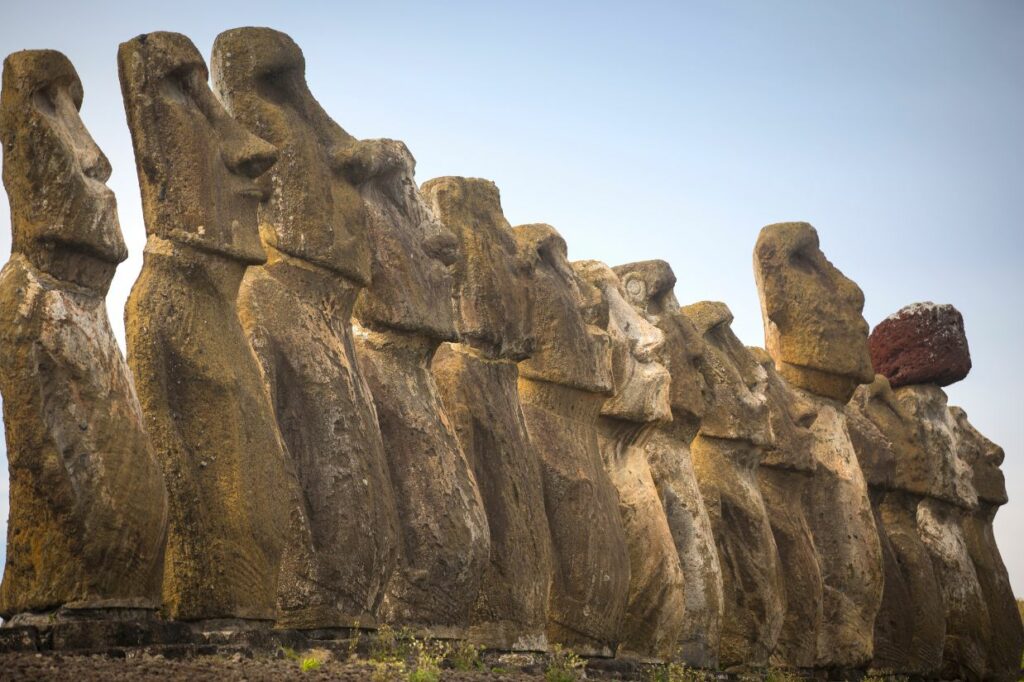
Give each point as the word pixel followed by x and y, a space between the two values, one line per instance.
pixel 562 388
pixel 88 508
pixel 1006 642
pixel 922 343
pixel 784 476
pixel 939 471
pixel 296 312
pixel 940 526
pixel 812 314
pixel 206 408
pixel 638 404
pixel 477 380
pixel 940 518
pixel 849 552
pixel 733 435
pixel 404 316
pixel 910 625
pixel 649 287
pixel 817 337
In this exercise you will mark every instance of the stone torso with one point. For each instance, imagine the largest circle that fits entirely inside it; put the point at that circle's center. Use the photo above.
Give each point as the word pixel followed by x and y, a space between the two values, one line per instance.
pixel 339 560
pixel 591 571
pixel 88 506
pixel 444 533
pixel 211 422
pixel 480 396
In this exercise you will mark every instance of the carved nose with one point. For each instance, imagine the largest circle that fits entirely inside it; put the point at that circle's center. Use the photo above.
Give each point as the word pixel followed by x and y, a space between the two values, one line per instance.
pixel 443 246
pixel 649 339
pixel 250 158
pixel 95 164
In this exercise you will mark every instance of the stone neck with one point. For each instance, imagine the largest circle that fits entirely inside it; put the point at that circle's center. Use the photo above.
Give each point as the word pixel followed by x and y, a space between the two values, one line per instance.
pixel 302 275
pixel 741 452
pixel 684 424
pixel 52 281
pixel 624 433
pixel 564 401
pixel 410 348
pixel 483 356
pixel 72 267
pixel 224 274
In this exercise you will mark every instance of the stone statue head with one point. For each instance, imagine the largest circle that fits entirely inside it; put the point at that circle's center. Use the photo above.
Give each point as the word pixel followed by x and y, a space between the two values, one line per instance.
pixel 983 456
pixel 568 317
pixel 411 285
pixel 63 215
pixel 649 287
pixel 314 211
pixel 492 293
pixel 640 383
pixel 197 166
pixel 813 325
pixel 738 405
pixel 950 477
pixel 791 415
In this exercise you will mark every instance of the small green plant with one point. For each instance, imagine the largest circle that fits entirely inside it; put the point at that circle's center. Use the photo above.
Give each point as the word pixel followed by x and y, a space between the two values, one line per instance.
pixel 289 653
pixel 780 675
pixel 427 656
pixel 310 663
pixel 387 671
pixel 676 672
pixel 466 656
pixel 353 642
pixel 390 645
pixel 563 665
pixel 884 676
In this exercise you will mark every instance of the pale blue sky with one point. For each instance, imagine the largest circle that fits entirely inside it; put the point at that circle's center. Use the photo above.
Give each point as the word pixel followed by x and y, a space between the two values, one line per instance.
pixel 671 130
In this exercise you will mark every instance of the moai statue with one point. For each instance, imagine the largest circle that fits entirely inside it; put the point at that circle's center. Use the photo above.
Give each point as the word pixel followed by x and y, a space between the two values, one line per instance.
pixel 817 337
pixel 88 509
pixel 940 523
pixel 403 317
pixel 562 386
pixel 649 287
pixel 734 434
pixel 206 407
pixel 655 612
pixel 296 311
pixel 477 379
pixel 784 477
pixel 919 348
pixel 911 624
pixel 1006 642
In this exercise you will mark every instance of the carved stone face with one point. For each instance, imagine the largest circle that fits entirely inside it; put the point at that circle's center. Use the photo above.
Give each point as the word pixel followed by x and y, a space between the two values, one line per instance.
pixel 314 212
pixel 569 317
pixel 493 298
pixel 640 383
pixel 197 166
pixel 983 456
pixel 738 408
pixel 648 286
pixel 54 173
pixel 814 329
pixel 411 287
pixel 936 434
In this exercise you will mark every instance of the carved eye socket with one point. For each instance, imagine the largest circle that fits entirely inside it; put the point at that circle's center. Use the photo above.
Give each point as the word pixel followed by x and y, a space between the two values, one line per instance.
pixel 45 101
pixel 803 261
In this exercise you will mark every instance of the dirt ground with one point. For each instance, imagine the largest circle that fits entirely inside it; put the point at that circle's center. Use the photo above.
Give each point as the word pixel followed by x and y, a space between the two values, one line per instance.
pixel 81 668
